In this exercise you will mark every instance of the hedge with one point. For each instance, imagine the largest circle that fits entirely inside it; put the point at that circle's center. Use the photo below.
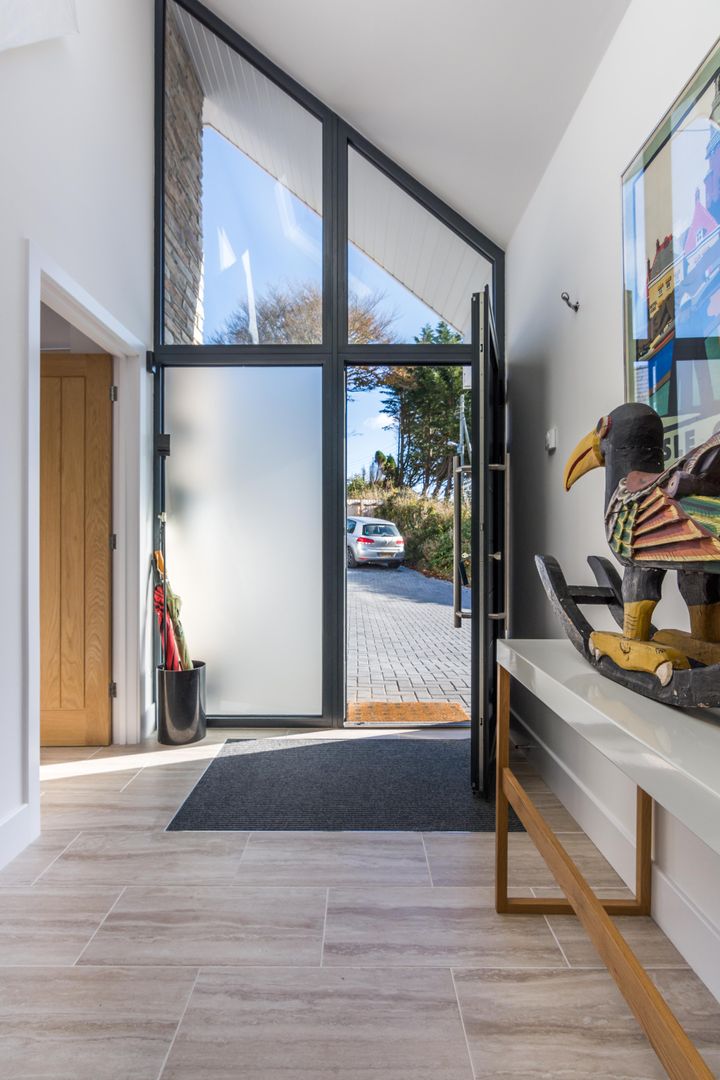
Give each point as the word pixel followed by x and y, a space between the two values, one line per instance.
pixel 427 526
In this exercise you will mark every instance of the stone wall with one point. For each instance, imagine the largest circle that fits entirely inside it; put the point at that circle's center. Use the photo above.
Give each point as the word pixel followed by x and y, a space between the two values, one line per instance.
pixel 183 194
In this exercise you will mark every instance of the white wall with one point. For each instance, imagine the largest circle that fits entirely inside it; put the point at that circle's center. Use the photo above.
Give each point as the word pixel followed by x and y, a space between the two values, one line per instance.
pixel 76 135
pixel 567 369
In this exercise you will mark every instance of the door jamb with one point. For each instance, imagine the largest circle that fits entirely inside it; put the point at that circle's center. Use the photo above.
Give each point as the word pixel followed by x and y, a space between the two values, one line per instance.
pixel 50 284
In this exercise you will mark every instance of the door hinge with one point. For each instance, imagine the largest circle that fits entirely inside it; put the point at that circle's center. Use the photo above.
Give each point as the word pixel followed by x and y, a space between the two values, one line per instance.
pixel 113 689
pixel 113 541
pixel 113 393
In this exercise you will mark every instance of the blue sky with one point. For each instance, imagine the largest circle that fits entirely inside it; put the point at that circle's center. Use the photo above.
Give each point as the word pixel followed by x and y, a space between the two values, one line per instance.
pixel 249 217
pixel 255 229
pixel 365 430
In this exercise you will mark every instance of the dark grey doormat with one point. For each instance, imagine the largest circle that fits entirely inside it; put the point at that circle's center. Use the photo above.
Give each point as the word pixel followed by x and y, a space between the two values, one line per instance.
pixel 375 783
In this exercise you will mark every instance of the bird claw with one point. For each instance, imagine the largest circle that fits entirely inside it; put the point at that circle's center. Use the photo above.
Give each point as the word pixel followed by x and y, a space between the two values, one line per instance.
pixel 644 656
pixel 665 672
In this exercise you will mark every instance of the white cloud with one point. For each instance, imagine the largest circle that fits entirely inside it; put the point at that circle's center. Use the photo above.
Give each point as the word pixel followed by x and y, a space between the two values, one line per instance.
pixel 377 423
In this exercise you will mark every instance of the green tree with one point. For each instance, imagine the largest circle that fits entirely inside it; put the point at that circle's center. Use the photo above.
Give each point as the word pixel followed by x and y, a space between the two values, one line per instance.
pixel 441 334
pixel 424 401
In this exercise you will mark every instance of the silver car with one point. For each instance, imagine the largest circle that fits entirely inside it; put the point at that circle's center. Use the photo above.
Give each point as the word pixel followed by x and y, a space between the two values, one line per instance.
pixel 372 540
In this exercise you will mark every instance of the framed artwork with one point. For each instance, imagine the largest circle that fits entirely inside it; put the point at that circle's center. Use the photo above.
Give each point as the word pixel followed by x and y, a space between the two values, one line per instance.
pixel 671 254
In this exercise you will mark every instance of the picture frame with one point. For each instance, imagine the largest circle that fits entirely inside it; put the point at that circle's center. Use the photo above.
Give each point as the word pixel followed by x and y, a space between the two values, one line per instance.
pixel 671 266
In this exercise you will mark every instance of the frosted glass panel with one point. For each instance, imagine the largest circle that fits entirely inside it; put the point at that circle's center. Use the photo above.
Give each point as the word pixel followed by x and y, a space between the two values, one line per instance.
pixel 245 532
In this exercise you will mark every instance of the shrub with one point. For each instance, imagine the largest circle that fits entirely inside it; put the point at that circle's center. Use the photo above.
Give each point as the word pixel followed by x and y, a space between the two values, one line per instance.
pixel 427 526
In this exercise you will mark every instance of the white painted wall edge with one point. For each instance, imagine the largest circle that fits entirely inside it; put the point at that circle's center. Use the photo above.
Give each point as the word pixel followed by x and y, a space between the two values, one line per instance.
pixel 695 938
pixel 49 283
pixel 69 299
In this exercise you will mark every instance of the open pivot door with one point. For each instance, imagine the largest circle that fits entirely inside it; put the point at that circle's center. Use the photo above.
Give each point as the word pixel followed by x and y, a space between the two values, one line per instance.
pixel 490 490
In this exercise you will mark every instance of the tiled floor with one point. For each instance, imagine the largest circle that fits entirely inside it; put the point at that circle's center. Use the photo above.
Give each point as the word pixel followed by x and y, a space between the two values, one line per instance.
pixel 130 953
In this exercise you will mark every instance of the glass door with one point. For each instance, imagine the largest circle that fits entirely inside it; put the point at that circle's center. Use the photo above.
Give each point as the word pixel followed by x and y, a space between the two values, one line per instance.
pixel 490 583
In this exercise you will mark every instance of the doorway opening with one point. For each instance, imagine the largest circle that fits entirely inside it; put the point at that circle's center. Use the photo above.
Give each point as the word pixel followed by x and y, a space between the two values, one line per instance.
pixel 76 468
pixel 408 544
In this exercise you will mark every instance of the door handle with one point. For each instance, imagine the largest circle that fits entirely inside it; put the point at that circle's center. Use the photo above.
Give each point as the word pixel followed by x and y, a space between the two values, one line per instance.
pixel 459 613
pixel 506 544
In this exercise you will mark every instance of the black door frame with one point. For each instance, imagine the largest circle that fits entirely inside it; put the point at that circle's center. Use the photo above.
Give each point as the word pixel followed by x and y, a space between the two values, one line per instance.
pixel 334 354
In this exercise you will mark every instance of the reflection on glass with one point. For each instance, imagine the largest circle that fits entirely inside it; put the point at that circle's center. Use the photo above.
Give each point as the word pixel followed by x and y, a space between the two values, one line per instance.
pixel 671 211
pixel 243 199
pixel 245 532
pixel 410 276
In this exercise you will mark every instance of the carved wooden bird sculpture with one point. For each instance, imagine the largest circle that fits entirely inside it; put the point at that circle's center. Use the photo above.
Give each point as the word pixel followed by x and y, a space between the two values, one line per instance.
pixel 657 520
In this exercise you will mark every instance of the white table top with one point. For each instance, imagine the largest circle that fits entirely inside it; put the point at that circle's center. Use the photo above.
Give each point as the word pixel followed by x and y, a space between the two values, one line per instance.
pixel 673 754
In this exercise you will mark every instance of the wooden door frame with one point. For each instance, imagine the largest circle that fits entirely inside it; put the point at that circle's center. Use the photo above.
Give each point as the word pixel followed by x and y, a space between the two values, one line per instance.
pixel 132 503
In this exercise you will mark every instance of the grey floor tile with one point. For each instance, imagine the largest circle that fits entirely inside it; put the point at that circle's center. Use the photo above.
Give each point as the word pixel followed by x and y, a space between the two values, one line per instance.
pixel 652 948
pixel 89 1024
pixel 143 857
pixel 35 859
pixel 48 926
pixel 334 858
pixel 440 927
pixel 212 926
pixel 308 1024
pixel 572 1025
pixel 469 859
pixel 115 810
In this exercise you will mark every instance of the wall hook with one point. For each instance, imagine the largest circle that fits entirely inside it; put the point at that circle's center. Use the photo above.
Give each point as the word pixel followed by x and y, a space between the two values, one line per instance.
pixel 566 297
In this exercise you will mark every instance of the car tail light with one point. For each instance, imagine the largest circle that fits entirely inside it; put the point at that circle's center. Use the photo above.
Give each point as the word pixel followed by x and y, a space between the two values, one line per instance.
pixel 400 540
pixel 365 540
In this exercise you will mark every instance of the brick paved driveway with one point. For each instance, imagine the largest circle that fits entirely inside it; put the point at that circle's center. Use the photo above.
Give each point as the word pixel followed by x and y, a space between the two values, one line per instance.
pixel 401 642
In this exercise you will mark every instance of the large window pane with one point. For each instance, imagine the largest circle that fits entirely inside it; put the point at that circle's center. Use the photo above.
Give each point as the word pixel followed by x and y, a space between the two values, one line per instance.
pixel 243 199
pixel 410 276
pixel 245 532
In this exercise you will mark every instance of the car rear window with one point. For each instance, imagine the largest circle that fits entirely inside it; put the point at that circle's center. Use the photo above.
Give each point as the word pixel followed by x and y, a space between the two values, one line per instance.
pixel 380 530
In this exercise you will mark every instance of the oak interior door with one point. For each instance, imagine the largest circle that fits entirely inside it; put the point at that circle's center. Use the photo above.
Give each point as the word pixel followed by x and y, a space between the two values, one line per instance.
pixel 75 551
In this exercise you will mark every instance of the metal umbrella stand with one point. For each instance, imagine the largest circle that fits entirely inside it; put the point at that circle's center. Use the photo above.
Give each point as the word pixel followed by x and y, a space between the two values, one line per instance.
pixel 181 717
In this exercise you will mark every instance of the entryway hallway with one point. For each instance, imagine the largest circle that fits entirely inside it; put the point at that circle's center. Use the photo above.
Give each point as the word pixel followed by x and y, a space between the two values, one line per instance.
pixel 129 951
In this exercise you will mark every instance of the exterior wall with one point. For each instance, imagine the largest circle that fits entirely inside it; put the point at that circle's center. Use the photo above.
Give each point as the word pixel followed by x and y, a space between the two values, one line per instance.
pixel 183 191
pixel 566 369
pixel 76 130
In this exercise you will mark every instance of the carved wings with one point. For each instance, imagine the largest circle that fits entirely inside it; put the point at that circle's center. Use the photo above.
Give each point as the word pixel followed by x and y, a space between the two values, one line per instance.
pixel 673 517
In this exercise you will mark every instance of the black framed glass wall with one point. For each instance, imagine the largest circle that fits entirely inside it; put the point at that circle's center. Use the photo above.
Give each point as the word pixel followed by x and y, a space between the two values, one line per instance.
pixel 284 239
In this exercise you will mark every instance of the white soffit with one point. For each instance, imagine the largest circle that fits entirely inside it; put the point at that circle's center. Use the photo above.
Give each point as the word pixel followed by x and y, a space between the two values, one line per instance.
pixel 389 226
pixel 25 22
pixel 255 114
pixel 412 245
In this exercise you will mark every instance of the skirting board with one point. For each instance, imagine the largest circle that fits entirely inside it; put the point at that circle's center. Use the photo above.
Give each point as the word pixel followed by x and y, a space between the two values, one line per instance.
pixel 17 830
pixel 695 938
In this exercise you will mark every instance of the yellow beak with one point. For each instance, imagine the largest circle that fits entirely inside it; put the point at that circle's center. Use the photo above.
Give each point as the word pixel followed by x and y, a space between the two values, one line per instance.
pixel 587 455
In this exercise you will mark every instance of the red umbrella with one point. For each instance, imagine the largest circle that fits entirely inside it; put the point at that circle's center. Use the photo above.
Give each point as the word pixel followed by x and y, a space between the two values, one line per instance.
pixel 170 649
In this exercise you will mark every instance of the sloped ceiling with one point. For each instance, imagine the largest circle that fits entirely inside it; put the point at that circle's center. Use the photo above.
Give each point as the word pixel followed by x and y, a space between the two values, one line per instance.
pixel 470 96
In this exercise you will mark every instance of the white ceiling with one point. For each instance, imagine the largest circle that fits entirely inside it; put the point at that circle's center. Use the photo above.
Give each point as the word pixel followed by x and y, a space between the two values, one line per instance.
pixel 470 96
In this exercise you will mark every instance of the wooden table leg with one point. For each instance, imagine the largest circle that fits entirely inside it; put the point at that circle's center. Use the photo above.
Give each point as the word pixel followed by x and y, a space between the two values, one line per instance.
pixel 502 755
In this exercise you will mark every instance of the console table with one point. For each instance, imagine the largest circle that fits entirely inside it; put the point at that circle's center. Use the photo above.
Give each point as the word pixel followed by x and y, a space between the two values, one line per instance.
pixel 674 759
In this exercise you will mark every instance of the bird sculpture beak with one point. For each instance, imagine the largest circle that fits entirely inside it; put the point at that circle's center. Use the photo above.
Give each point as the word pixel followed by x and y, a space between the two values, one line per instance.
pixel 587 455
